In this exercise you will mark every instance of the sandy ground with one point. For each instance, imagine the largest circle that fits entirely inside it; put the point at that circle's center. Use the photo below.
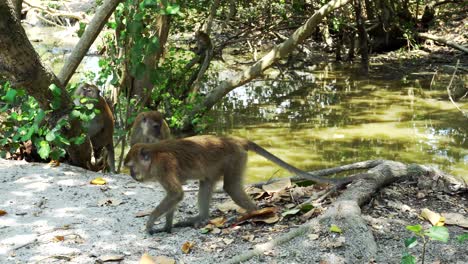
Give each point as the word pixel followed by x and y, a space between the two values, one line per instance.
pixel 54 215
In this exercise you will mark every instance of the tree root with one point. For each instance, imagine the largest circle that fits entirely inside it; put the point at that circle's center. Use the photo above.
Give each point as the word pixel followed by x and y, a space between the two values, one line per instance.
pixel 345 212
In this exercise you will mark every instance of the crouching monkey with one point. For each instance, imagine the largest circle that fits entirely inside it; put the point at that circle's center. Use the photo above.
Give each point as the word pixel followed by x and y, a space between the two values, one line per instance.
pixel 101 128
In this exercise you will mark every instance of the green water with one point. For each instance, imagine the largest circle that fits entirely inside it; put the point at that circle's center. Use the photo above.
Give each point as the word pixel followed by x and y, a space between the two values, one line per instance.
pixel 329 119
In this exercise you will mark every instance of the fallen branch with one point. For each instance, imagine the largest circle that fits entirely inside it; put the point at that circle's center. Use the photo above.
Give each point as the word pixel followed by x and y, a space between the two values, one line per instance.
pixel 368 164
pixel 449 93
pixel 444 41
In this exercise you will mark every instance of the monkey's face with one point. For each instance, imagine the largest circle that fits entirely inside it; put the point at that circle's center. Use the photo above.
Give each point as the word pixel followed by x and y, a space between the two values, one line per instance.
pixel 138 160
pixel 85 91
pixel 151 127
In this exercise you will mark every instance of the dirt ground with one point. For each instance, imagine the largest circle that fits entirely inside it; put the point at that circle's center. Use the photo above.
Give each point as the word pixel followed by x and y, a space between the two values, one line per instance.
pixel 55 215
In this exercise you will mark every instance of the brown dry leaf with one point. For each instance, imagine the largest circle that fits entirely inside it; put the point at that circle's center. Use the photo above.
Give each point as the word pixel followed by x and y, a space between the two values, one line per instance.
pixel 142 213
pixel 164 260
pixel 277 186
pixel 435 218
pixel 255 192
pixel 218 221
pixel 146 259
pixel 455 219
pixel 54 163
pixel 228 241
pixel 98 181
pixel 187 246
pixel 110 258
pixel 267 215
pixel 249 238
pixel 2 213
pixel 58 238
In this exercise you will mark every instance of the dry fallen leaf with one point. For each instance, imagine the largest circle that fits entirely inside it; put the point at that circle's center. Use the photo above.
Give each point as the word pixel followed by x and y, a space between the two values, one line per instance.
pixel 58 238
pixel 146 259
pixel 218 221
pixel 2 213
pixel 228 241
pixel 277 186
pixel 142 213
pixel 335 229
pixel 249 238
pixel 164 260
pixel 98 181
pixel 267 215
pixel 433 217
pixel 187 246
pixel 54 163
pixel 110 258
pixel 456 219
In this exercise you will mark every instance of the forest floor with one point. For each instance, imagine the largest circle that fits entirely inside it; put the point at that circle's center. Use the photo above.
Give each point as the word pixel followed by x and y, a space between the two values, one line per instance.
pixel 55 215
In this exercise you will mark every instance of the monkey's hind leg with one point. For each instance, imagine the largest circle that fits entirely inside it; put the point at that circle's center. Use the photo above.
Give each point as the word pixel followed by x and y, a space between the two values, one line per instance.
pixel 233 174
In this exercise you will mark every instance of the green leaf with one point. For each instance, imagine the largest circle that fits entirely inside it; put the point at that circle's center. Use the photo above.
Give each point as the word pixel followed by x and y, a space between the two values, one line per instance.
pixel 462 238
pixel 306 208
pixel 439 233
pixel 89 106
pixel 204 230
pixel 173 9
pixel 57 153
pixel 39 116
pixel 408 259
pixel 417 229
pixel 44 149
pixel 411 242
pixel 153 46
pixel 63 140
pixel 112 25
pixel 50 136
pixel 81 30
pixel 293 211
pixel 56 91
pixel 335 229
pixel 30 132
pixel 10 96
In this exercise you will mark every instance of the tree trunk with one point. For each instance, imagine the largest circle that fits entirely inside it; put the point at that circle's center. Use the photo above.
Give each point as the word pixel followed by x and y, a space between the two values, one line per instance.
pixel 142 88
pixel 90 34
pixel 363 46
pixel 18 4
pixel 280 51
pixel 22 67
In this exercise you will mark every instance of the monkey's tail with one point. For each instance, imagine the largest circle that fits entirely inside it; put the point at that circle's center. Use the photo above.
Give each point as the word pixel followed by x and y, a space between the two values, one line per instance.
pixel 263 152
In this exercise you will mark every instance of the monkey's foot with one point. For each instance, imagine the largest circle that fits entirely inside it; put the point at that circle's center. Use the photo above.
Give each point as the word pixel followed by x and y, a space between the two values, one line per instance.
pixel 196 222
pixel 153 231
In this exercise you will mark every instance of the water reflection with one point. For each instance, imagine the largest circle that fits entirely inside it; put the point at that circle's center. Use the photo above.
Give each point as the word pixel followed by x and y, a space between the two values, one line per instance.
pixel 329 119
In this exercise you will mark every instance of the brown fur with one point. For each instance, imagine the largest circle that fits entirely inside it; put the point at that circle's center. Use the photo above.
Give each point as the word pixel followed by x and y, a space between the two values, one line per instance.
pixel 149 127
pixel 204 158
pixel 203 42
pixel 101 128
